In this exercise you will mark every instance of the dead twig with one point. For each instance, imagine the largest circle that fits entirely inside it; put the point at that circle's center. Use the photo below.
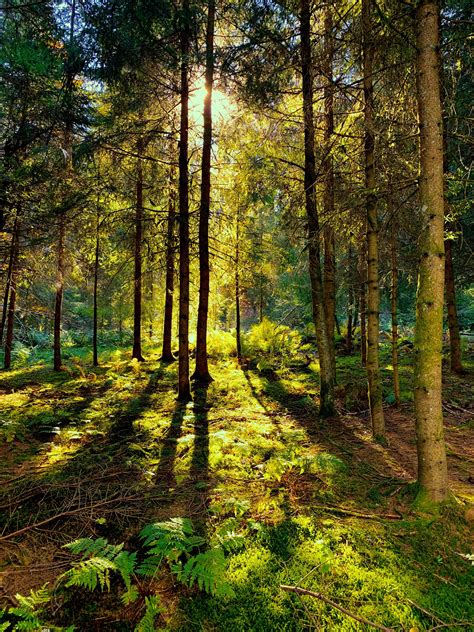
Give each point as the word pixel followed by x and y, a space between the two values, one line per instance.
pixel 303 591
pixel 63 514
pixel 357 514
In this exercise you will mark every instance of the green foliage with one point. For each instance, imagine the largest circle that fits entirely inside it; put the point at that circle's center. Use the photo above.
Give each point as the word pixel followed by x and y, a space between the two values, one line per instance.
pixel 221 344
pixel 272 339
pixel 167 540
pixel 152 610
pixel 28 615
pixel 208 570
pixel 99 560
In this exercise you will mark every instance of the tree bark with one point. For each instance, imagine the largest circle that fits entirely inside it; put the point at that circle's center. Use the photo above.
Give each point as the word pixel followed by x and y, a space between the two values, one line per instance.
pixel 201 374
pixel 58 303
pixel 323 340
pixel 453 322
pixel 238 338
pixel 184 389
pixel 8 280
pixel 69 169
pixel 328 199
pixel 373 369
pixel 167 354
pixel 432 467
pixel 363 306
pixel 137 277
pixel 95 352
pixel 12 302
pixel 394 308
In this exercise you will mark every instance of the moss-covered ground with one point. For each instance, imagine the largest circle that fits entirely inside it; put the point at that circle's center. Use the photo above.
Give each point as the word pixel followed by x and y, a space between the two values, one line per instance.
pixel 314 504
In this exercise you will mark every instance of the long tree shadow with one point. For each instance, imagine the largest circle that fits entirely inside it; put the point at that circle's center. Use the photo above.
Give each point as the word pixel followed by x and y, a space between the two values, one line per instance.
pixel 199 472
pixel 371 465
pixel 165 474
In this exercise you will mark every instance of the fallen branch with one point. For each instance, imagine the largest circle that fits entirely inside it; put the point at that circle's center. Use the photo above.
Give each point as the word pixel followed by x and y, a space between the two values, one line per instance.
pixel 303 591
pixel 357 514
pixel 71 512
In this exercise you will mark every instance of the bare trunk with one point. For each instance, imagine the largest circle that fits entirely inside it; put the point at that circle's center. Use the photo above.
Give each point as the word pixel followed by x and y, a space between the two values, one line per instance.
pixel 328 200
pixel 201 374
pixel 453 322
pixel 95 352
pixel 394 307
pixel 11 306
pixel 373 369
pixel 137 277
pixel 323 340
pixel 59 293
pixel 237 293
pixel 8 279
pixel 69 169
pixel 432 467
pixel 184 389
pixel 167 354
pixel 363 307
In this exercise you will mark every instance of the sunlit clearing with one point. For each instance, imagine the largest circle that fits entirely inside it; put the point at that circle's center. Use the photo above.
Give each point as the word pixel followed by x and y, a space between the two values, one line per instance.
pixel 222 106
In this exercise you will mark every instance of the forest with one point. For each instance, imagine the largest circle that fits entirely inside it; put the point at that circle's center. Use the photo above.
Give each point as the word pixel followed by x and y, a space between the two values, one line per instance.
pixel 237 315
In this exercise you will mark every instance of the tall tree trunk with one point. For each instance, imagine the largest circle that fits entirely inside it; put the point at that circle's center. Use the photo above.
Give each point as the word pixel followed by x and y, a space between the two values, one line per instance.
pixel 201 374
pixel 373 369
pixel 453 322
pixel 323 339
pixel 394 307
pixel 184 389
pixel 11 305
pixel 167 354
pixel 152 300
pixel 58 303
pixel 363 306
pixel 350 302
pixel 8 280
pixel 328 200
pixel 69 169
pixel 95 352
pixel 432 467
pixel 237 291
pixel 137 277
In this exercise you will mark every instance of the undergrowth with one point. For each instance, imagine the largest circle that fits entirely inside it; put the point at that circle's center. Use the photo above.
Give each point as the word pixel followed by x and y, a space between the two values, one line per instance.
pixel 266 496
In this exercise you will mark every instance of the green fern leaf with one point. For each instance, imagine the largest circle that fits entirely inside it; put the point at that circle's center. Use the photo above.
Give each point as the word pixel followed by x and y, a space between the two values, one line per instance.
pixel 152 610
pixel 208 570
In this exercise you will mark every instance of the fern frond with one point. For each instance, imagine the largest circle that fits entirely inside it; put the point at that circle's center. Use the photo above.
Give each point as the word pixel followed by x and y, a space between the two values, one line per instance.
pixel 208 570
pixel 125 563
pixel 152 610
pixel 130 595
pixel 88 573
pixel 170 539
pixel 87 547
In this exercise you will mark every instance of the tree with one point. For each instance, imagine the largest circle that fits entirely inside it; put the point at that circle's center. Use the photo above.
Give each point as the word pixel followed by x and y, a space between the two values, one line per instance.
pixel 432 468
pixel 184 389
pixel 373 370
pixel 201 374
pixel 326 408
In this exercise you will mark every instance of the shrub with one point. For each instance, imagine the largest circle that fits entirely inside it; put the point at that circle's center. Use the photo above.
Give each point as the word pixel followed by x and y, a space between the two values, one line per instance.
pixel 221 344
pixel 272 339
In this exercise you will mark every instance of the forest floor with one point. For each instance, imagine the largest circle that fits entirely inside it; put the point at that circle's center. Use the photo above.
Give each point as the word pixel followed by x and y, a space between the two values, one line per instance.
pixel 316 504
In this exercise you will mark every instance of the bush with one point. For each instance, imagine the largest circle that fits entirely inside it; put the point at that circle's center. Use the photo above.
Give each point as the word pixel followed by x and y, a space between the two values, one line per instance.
pixel 271 339
pixel 221 344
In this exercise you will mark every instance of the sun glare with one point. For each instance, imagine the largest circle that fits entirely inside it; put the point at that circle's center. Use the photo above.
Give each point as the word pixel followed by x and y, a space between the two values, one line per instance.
pixel 222 106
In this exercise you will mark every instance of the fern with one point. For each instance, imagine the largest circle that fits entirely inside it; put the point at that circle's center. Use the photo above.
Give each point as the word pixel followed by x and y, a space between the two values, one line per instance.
pixel 28 611
pixel 90 573
pixel 228 537
pixel 208 570
pixel 167 540
pixel 100 558
pixel 152 610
